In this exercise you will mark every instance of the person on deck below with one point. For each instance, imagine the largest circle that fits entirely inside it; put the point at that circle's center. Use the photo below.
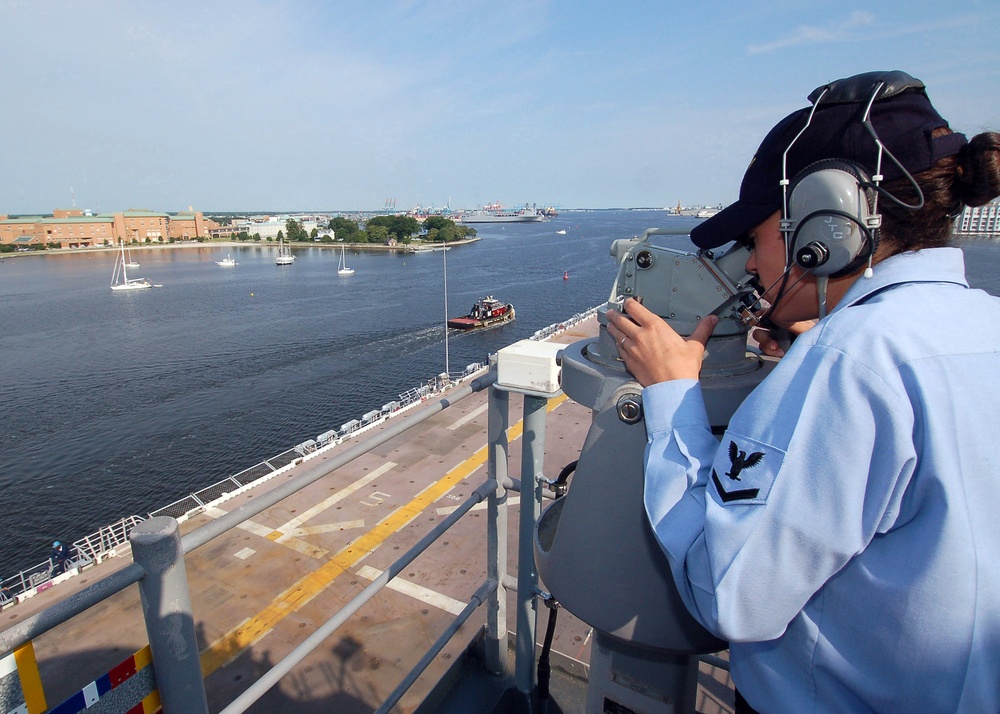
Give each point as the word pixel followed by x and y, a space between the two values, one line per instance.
pixel 844 536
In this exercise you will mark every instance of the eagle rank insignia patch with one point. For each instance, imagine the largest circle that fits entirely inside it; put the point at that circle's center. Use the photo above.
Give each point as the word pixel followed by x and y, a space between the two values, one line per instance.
pixel 744 471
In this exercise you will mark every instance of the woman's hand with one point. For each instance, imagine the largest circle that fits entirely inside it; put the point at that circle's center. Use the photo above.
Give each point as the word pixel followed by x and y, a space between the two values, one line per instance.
pixel 651 349
pixel 768 342
pixel 769 346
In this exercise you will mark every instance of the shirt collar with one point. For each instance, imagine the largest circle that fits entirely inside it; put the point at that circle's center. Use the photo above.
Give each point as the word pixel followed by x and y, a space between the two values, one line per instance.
pixel 931 265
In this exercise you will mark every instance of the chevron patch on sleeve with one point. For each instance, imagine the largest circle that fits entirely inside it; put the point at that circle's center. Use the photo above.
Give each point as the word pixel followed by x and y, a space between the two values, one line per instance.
pixel 744 470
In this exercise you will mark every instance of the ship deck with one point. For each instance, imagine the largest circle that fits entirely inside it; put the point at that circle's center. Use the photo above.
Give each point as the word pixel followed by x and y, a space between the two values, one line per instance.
pixel 258 590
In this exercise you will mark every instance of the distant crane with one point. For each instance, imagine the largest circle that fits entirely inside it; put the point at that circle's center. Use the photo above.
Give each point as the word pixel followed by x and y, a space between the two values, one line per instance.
pixel 390 205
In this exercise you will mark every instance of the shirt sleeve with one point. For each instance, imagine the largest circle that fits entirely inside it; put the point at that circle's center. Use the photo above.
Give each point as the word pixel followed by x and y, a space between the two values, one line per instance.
pixel 755 525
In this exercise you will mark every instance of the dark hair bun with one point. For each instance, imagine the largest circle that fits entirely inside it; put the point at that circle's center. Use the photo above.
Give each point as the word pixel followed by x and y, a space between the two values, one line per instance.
pixel 977 172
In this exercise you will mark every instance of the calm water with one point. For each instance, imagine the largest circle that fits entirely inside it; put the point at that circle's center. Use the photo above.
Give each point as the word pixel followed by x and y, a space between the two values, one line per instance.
pixel 119 403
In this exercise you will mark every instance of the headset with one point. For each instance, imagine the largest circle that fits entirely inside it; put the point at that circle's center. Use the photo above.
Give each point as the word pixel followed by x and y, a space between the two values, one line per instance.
pixel 830 216
pixel 830 219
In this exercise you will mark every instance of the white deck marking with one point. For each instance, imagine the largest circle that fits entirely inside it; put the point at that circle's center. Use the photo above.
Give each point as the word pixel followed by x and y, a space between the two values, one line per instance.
pixel 340 495
pixel 328 528
pixel 377 496
pixel 245 553
pixel 469 417
pixel 512 501
pixel 290 534
pixel 290 542
pixel 417 592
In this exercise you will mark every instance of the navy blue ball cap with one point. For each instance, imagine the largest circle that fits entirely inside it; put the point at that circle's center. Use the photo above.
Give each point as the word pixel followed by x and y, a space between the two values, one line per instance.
pixel 902 116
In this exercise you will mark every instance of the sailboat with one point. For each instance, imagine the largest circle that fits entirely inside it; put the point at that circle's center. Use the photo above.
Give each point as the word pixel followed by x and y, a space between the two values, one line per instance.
pixel 344 270
pixel 285 256
pixel 120 279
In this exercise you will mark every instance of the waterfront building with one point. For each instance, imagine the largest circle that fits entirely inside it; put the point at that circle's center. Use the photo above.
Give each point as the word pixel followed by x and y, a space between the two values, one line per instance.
pixel 142 226
pixel 980 220
pixel 268 227
pixel 74 228
pixel 189 225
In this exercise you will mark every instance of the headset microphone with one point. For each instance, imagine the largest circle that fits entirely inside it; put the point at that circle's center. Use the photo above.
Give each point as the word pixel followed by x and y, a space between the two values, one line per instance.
pixel 812 256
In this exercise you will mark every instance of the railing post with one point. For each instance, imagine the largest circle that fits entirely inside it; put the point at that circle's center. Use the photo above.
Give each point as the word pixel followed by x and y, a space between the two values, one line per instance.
pixel 166 607
pixel 496 652
pixel 532 462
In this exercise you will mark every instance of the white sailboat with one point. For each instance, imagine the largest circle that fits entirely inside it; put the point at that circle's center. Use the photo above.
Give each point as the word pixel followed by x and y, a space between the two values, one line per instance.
pixel 344 270
pixel 285 256
pixel 120 279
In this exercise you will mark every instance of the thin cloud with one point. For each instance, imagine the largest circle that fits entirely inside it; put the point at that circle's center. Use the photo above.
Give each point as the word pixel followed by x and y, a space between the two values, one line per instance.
pixel 808 34
pixel 862 26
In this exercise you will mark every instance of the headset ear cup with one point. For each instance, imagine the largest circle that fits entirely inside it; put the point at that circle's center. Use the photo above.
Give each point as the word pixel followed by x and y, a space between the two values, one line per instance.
pixel 829 206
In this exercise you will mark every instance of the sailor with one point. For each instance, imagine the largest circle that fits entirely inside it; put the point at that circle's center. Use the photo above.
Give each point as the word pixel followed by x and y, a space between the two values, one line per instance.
pixel 843 536
pixel 58 557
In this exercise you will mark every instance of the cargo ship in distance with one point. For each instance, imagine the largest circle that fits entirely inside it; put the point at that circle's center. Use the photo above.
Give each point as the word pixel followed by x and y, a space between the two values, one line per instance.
pixel 495 213
pixel 486 312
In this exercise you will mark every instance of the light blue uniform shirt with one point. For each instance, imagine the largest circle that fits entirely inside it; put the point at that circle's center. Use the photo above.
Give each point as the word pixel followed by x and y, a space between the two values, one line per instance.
pixel 845 534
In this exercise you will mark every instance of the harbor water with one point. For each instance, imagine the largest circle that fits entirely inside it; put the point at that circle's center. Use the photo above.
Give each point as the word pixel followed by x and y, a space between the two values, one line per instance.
pixel 117 403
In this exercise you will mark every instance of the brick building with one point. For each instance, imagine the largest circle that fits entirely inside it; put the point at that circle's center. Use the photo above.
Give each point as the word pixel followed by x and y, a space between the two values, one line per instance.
pixel 78 229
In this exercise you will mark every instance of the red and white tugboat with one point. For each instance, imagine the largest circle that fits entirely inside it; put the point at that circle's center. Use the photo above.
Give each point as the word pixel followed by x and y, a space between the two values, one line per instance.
pixel 487 311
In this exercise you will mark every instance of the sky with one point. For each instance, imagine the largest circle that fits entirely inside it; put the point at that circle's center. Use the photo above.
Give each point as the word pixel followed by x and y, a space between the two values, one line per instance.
pixel 321 105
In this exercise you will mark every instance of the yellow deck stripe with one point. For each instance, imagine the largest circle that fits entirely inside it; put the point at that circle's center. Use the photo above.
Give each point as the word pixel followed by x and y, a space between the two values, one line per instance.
pixel 31 680
pixel 151 704
pixel 143 658
pixel 302 592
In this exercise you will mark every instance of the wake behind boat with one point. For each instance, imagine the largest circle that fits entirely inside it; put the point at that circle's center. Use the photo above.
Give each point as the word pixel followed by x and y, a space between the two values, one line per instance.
pixel 487 311
pixel 119 277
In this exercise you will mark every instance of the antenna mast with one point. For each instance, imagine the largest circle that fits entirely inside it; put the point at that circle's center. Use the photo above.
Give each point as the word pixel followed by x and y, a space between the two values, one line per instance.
pixel 444 253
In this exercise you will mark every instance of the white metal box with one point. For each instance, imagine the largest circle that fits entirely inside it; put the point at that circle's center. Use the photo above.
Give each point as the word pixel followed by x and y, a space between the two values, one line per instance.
pixel 529 365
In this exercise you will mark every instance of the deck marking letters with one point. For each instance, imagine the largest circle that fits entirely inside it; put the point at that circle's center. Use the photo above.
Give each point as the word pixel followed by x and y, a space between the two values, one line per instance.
pixel 377 496
pixel 340 495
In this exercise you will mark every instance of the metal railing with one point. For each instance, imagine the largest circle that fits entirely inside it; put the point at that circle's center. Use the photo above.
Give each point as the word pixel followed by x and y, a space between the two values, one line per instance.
pixel 161 579
pixel 109 541
pixel 158 568
pixel 105 542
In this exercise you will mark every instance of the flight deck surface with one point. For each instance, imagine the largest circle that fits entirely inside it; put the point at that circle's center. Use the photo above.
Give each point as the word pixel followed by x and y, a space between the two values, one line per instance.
pixel 258 590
